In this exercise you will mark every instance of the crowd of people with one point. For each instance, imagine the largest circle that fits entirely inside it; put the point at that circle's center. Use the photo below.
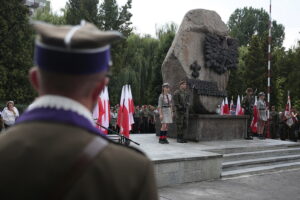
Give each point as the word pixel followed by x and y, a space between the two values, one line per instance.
pixel 144 118
pixel 282 124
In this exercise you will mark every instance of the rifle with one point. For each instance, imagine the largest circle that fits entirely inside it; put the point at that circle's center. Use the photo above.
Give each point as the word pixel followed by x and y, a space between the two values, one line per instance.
pixel 121 136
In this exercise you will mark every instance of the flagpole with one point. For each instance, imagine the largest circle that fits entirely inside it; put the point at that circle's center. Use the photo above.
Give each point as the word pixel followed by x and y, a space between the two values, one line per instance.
pixel 269 68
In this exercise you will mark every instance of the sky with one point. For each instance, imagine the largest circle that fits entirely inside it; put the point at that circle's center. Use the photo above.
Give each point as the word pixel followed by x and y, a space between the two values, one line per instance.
pixel 149 14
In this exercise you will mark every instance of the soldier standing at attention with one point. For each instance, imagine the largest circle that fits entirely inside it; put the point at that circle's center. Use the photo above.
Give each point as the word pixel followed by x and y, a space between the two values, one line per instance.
pixel 55 151
pixel 165 112
pixel 274 119
pixel 181 103
pixel 247 104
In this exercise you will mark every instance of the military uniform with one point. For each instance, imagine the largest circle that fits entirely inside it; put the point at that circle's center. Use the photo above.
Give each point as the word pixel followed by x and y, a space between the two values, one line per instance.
pixel 181 103
pixel 54 151
pixel 247 104
pixel 145 119
pixel 274 122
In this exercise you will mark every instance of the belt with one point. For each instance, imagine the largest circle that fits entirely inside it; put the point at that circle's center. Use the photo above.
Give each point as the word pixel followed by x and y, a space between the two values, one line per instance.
pixel 166 106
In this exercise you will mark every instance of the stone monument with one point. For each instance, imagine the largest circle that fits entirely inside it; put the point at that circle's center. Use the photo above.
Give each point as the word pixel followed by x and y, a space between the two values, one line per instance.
pixel 203 54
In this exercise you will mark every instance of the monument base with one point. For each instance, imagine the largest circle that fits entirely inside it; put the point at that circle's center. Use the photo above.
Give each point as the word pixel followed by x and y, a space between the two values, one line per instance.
pixel 212 127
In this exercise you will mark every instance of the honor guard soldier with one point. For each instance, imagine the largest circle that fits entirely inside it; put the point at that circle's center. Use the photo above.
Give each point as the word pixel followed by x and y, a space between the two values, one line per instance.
pixel 181 103
pixel 248 104
pixel 54 151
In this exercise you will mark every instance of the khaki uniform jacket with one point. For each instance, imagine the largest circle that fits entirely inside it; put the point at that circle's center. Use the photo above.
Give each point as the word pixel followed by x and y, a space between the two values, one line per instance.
pixel 36 155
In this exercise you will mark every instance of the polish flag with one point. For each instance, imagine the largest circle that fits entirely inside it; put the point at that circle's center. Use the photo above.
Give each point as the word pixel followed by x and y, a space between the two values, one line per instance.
pixel 226 107
pixel 239 109
pixel 101 113
pixel 255 117
pixel 131 107
pixel 222 108
pixel 123 114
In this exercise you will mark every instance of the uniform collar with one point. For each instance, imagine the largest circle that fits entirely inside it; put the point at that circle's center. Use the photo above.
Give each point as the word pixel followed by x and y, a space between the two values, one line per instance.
pixel 61 103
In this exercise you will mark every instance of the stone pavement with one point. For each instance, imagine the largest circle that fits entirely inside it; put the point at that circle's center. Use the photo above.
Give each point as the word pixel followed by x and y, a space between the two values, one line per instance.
pixel 282 185
pixel 149 144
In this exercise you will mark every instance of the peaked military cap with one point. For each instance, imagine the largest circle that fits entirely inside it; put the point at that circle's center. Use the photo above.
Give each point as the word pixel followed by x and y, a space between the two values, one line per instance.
pixel 165 85
pixel 80 49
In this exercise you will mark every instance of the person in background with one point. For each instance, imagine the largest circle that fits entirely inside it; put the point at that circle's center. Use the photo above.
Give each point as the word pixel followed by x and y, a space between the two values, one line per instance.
pixel 9 114
pixel 145 117
pixel 151 119
pixel 137 119
pixel 165 109
pixel 114 117
pixel 274 123
pixel 262 115
pixel 247 104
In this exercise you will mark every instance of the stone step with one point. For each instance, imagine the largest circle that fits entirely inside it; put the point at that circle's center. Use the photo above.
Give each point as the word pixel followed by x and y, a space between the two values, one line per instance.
pixel 258 161
pixel 255 148
pixel 260 154
pixel 260 169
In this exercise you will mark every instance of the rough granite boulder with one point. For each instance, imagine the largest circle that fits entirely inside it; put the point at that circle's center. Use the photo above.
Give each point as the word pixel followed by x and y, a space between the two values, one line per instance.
pixel 203 54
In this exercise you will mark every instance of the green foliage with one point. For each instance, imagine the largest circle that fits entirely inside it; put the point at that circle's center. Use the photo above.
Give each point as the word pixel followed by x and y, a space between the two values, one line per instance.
pixel 47 15
pixel 16 52
pixel 77 10
pixel 246 22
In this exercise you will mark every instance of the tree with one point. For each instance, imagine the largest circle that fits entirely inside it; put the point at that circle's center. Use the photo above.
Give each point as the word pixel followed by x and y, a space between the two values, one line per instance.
pixel 246 22
pixel 165 35
pixel 47 15
pixel 77 10
pixel 16 52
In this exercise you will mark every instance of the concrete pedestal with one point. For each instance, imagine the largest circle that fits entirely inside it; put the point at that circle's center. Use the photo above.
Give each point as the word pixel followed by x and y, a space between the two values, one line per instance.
pixel 212 127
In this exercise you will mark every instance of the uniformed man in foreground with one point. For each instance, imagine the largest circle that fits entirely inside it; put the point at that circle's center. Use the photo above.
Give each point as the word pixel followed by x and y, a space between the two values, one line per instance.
pixel 248 104
pixel 54 151
pixel 181 103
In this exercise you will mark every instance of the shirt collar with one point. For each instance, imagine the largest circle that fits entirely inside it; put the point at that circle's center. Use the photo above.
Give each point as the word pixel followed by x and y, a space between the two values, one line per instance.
pixel 61 103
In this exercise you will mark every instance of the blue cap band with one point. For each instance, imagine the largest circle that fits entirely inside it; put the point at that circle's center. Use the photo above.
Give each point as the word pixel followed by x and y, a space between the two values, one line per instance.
pixel 60 60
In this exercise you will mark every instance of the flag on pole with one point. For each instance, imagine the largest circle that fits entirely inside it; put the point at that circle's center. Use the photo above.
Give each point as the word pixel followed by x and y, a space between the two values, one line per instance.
pixel 131 107
pixel 226 107
pixel 101 113
pixel 123 114
pixel 239 109
pixel 255 117
pixel 222 108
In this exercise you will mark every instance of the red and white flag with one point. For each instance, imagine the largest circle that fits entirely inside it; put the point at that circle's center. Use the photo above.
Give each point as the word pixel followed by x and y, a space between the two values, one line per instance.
pixel 131 107
pixel 255 117
pixel 239 109
pixel 101 113
pixel 123 114
pixel 226 107
pixel 222 108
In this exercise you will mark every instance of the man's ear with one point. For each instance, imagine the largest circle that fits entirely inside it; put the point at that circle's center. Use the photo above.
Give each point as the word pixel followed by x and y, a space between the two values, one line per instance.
pixel 34 78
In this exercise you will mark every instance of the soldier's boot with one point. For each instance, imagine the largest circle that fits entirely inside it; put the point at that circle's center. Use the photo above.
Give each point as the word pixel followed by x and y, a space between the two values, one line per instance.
pixel 161 138
pixel 249 135
pixel 180 139
pixel 165 137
